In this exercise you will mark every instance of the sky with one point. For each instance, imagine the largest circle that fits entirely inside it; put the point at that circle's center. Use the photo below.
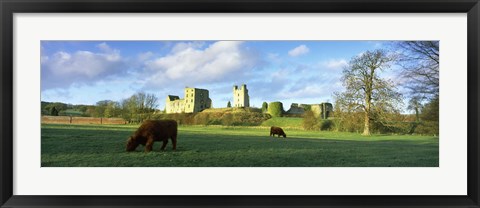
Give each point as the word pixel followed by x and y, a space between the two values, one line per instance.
pixel 85 72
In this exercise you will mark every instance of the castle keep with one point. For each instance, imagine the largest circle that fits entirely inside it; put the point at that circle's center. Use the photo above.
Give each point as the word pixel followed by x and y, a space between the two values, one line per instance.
pixel 240 96
pixel 195 100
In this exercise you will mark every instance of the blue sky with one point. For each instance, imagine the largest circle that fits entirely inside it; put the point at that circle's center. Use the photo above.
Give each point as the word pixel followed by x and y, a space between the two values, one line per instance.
pixel 84 72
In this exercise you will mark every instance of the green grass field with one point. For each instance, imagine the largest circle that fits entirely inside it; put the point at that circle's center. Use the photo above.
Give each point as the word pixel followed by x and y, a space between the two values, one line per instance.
pixel 295 123
pixel 217 146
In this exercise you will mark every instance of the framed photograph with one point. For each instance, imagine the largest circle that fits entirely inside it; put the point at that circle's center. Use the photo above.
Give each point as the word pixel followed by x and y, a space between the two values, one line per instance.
pixel 239 104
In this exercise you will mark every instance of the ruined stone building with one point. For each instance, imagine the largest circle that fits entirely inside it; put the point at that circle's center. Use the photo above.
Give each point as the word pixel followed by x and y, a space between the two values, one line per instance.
pixel 195 100
pixel 322 110
pixel 240 96
pixel 297 109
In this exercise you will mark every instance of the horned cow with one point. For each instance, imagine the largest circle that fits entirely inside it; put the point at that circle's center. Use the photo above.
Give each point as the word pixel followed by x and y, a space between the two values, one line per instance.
pixel 153 130
pixel 277 130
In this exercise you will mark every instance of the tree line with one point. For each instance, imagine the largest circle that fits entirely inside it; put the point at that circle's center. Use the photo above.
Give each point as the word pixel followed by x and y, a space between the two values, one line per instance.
pixel 136 108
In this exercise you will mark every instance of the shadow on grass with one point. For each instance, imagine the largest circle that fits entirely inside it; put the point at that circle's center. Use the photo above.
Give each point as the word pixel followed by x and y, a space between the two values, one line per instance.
pixel 119 138
pixel 86 146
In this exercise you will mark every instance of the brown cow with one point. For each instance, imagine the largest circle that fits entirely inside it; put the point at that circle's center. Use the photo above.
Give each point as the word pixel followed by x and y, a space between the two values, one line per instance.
pixel 277 130
pixel 153 130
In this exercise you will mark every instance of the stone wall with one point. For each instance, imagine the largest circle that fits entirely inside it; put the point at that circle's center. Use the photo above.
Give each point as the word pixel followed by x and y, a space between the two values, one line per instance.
pixel 175 106
pixel 322 110
pixel 80 120
pixel 296 109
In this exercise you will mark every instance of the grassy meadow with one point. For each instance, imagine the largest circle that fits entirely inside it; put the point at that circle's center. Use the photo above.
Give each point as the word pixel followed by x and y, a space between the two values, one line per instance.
pixel 284 122
pixel 65 145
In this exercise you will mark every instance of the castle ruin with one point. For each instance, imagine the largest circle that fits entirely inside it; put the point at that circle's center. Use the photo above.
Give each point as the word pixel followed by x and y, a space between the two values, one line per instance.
pixel 322 110
pixel 195 100
pixel 240 96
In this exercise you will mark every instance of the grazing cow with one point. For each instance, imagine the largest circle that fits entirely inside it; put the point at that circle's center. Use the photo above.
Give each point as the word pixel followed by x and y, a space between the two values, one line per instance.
pixel 277 130
pixel 153 130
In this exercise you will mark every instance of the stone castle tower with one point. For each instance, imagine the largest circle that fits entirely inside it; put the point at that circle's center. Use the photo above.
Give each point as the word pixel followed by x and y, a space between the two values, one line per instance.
pixel 240 96
pixel 195 100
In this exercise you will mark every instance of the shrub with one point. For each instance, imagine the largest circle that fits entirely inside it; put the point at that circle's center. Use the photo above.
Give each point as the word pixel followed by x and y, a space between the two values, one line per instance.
pixel 202 119
pixel 253 110
pixel 266 116
pixel 309 121
pixel 181 118
pixel 326 125
pixel 275 109
pixel 248 119
pixel 391 127
pixel 349 122
pixel 215 122
pixel 227 119
pixel 427 128
pixel 54 111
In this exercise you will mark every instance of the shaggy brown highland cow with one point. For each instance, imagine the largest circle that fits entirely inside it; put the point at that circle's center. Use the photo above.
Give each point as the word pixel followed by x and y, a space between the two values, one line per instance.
pixel 277 130
pixel 153 130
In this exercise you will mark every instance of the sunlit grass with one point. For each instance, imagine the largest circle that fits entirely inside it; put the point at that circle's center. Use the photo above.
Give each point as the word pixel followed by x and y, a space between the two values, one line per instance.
pixel 218 146
pixel 285 122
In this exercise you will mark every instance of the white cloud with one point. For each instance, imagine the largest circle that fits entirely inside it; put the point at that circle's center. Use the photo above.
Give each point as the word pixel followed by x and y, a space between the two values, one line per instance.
pixel 144 56
pixel 43 59
pixel 185 45
pixel 104 47
pixel 82 63
pixel 63 69
pixel 190 65
pixel 336 64
pixel 300 50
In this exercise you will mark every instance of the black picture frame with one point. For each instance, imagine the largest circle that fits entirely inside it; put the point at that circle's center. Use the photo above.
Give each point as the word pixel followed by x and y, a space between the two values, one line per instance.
pixel 10 7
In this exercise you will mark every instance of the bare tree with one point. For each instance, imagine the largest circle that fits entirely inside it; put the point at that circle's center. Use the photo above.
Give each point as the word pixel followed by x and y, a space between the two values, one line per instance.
pixel 139 106
pixel 365 90
pixel 150 102
pixel 420 61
